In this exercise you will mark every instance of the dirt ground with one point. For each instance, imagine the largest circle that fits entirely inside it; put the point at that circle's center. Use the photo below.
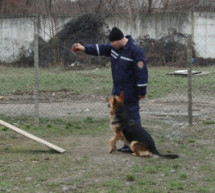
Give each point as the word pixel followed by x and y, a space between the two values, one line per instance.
pixel 88 167
pixel 63 105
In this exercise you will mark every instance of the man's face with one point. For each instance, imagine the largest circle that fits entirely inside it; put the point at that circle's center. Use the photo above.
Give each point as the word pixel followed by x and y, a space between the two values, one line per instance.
pixel 116 44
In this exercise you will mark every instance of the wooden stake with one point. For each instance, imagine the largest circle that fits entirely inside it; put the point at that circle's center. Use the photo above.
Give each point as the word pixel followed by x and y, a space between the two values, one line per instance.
pixel 33 137
pixel 1 98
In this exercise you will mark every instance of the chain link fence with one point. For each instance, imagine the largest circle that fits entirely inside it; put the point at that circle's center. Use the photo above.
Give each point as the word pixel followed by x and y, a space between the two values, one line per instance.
pixel 203 82
pixel 176 95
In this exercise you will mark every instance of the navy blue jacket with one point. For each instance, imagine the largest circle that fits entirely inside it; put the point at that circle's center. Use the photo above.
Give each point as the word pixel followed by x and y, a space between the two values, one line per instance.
pixel 129 68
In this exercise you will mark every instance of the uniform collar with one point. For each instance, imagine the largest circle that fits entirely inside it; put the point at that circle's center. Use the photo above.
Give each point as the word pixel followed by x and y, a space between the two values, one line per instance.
pixel 130 41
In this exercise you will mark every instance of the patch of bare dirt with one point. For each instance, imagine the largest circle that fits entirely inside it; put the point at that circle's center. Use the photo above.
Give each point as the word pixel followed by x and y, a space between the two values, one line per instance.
pixel 170 109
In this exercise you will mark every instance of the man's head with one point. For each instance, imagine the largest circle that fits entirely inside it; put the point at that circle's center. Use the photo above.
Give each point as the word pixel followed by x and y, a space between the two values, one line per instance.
pixel 115 34
pixel 117 39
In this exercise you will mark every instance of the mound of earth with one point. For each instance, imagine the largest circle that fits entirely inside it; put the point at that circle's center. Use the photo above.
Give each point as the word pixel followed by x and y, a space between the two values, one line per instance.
pixel 57 51
pixel 170 50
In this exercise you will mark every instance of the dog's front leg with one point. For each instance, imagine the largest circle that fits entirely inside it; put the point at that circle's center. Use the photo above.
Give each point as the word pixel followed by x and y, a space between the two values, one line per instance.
pixel 113 141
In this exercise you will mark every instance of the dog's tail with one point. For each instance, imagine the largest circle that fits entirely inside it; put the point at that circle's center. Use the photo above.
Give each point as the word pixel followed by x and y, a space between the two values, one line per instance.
pixel 167 156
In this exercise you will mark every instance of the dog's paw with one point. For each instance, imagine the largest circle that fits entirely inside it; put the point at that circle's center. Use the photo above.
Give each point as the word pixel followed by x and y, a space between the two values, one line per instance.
pixel 134 154
pixel 112 149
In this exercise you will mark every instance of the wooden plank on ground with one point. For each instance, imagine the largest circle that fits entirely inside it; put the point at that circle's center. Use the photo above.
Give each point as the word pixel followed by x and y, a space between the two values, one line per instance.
pixel 33 137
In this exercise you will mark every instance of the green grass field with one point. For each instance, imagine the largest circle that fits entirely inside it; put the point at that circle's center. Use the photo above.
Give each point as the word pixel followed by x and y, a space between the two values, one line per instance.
pixel 98 81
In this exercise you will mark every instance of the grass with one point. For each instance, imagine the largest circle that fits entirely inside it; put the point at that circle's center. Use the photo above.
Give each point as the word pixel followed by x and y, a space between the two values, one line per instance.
pixel 85 126
pixel 89 81
pixel 99 81
pixel 26 166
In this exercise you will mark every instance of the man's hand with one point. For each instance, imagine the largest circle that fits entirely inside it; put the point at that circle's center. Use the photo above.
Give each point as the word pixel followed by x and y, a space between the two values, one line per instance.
pixel 78 47
pixel 141 97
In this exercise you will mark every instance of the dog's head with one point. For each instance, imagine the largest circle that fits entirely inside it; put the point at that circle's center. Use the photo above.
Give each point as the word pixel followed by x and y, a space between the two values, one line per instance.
pixel 115 102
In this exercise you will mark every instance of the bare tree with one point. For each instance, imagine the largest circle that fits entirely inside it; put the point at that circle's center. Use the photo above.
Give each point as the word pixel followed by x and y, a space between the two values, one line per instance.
pixel 2 6
pixel 165 4
pixel 150 6
pixel 68 7
pixel 130 11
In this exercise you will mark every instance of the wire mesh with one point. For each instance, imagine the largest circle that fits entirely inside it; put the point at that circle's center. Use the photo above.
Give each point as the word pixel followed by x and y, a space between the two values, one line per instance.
pixel 76 93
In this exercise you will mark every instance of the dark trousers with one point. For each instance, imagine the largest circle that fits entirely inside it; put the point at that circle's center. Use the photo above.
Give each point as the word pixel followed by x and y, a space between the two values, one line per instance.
pixel 133 111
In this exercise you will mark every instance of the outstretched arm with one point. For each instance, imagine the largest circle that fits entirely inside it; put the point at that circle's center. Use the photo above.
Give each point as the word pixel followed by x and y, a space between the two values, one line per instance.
pixel 78 47
pixel 93 49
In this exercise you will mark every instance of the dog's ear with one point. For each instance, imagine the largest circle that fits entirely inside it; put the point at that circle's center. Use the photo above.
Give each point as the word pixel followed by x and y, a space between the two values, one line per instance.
pixel 108 100
pixel 114 100
pixel 121 97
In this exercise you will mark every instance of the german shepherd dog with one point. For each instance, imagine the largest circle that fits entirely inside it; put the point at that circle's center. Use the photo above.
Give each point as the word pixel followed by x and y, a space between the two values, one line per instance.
pixel 131 133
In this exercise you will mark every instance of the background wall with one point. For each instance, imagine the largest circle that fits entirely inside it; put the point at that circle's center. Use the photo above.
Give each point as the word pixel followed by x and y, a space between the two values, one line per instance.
pixel 204 34
pixel 16 34
pixel 155 25
pixel 158 25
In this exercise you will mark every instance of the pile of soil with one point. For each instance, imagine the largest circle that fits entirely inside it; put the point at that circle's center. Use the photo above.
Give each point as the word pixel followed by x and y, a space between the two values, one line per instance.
pixel 85 29
pixel 170 50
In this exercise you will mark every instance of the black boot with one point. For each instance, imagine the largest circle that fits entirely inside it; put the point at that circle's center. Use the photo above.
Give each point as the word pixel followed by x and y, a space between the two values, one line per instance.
pixel 125 149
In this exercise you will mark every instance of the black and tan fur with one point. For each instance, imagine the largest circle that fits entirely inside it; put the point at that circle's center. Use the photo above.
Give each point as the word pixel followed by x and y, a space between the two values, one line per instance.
pixel 131 133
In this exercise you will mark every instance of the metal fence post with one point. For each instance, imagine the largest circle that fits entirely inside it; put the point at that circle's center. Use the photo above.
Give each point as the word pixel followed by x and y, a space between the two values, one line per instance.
pixel 189 66
pixel 36 71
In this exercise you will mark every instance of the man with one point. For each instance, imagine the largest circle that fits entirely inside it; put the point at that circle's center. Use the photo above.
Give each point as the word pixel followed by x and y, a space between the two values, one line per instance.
pixel 129 70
